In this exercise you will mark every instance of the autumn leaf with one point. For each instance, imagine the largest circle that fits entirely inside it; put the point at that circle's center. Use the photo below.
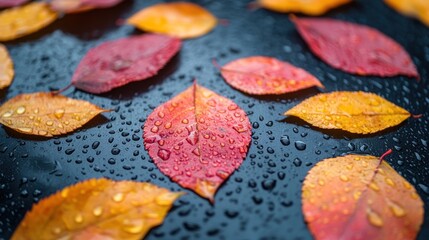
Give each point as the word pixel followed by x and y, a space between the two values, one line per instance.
pixel 6 68
pixel 98 209
pixel 413 8
pixel 46 114
pixel 309 7
pixel 11 3
pixel 198 139
pixel 264 75
pixel 360 197
pixel 20 21
pixel 355 48
pixel 355 112
pixel 74 6
pixel 178 19
pixel 115 63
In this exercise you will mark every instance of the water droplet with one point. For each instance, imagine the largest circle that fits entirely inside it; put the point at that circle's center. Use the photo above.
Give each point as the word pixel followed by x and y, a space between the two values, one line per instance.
pixel 192 138
pixel 97 211
pixel 389 182
pixel 118 197
pixel 42 132
pixel 49 123
pixel 240 128
pixel 374 186
pixel 297 162
pixel 7 114
pixel 154 129
pixel 321 182
pixel 374 218
pixel 185 121
pixel 26 130
pixel 285 140
pixel 134 227
pixel 300 145
pixel 20 110
pixel 164 154
pixel 222 174
pixel 269 184
pixel 59 113
pixel 78 218
pixel 397 210
pixel 344 178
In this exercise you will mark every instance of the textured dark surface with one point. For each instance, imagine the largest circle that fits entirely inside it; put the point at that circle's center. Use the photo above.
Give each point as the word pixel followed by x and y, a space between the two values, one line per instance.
pixel 262 199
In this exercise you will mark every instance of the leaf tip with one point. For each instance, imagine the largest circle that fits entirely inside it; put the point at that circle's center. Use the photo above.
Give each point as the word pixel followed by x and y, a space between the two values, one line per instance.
pixel 206 189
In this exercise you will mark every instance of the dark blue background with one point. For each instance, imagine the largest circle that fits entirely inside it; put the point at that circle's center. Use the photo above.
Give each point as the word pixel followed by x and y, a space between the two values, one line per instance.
pixel 262 199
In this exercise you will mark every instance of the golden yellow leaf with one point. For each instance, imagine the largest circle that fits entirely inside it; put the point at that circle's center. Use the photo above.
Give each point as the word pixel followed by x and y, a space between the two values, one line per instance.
pixel 413 8
pixel 46 114
pixel 309 7
pixel 178 19
pixel 98 209
pixel 356 112
pixel 20 21
pixel 6 68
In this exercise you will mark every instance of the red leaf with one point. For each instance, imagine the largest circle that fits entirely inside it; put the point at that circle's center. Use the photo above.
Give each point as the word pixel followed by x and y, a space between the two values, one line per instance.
pixel 264 75
pixel 11 3
pixel 355 48
pixel 116 63
pixel 73 6
pixel 198 139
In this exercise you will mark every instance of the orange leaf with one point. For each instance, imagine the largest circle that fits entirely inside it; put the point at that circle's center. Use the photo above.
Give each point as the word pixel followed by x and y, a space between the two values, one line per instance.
pixel 46 114
pixel 413 8
pixel 6 68
pixel 309 7
pixel 20 21
pixel 360 197
pixel 98 209
pixel 356 112
pixel 264 75
pixel 178 19
pixel 198 139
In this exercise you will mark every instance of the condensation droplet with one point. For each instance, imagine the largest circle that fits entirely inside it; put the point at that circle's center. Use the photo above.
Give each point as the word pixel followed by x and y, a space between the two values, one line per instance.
pixel 20 110
pixel 118 197
pixel 78 218
pixel 164 154
pixel 374 218
pixel 397 210
pixel 59 113
pixel 97 211
pixel 7 114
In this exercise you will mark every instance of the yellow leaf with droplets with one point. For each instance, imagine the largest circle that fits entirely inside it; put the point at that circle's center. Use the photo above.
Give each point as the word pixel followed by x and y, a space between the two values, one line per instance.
pixel 370 200
pixel 178 19
pixel 98 209
pixel 6 68
pixel 309 7
pixel 355 112
pixel 46 114
pixel 20 21
pixel 413 8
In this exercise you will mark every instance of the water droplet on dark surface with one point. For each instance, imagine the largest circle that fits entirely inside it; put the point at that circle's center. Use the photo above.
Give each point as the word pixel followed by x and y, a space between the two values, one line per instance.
pixel 300 145
pixel 269 184
pixel 285 140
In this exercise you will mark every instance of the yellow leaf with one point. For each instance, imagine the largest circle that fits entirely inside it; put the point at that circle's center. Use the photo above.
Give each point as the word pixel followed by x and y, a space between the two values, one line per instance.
pixel 20 21
pixel 98 209
pixel 178 19
pixel 413 8
pixel 309 7
pixel 46 114
pixel 6 68
pixel 356 112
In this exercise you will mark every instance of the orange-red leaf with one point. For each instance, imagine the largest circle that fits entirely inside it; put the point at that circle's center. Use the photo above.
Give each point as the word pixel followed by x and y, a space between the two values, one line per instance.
pixel 309 7
pixel 98 209
pixel 11 3
pixel 6 68
pixel 73 6
pixel 360 197
pixel 355 112
pixel 413 8
pixel 46 114
pixel 355 48
pixel 178 19
pixel 264 75
pixel 198 139
pixel 20 21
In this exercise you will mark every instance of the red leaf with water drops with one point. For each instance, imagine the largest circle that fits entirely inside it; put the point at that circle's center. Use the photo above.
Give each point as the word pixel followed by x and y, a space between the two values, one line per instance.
pixel 355 48
pixel 264 75
pixel 11 3
pixel 72 6
pixel 360 197
pixel 116 63
pixel 198 139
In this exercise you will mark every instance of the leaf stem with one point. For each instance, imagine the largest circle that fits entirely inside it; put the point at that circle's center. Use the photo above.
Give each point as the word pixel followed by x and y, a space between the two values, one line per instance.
pixel 62 90
pixel 385 154
pixel 417 116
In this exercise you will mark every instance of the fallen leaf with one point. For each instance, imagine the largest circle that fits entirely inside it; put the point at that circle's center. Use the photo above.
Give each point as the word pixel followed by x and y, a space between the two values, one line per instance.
pixel 6 68
pixel 74 6
pixel 309 7
pixel 264 75
pixel 198 139
pixel 360 197
pixel 413 8
pixel 46 114
pixel 356 112
pixel 355 48
pixel 98 209
pixel 20 21
pixel 11 3
pixel 178 19
pixel 116 63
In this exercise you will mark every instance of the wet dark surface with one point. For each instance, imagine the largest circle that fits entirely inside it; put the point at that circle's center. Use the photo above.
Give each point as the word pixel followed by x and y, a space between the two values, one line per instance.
pixel 261 200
